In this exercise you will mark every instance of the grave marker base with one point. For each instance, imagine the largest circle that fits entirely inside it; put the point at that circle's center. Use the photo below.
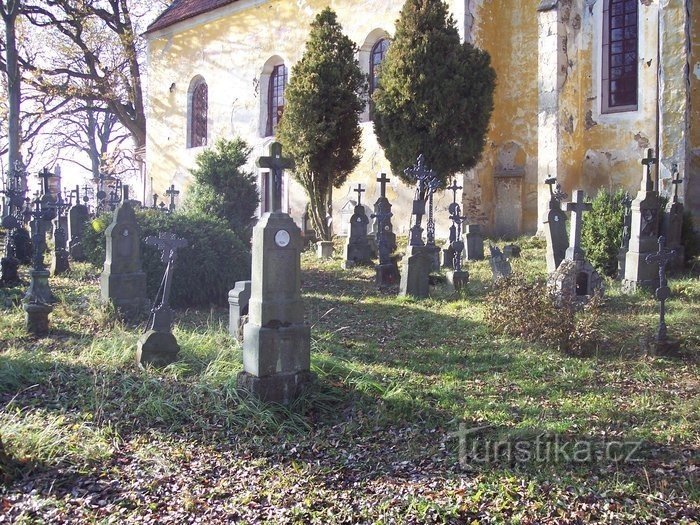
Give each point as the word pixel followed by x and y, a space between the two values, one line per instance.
pixel 157 349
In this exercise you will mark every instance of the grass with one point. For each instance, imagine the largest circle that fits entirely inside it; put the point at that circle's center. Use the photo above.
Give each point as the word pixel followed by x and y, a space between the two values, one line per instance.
pixel 374 440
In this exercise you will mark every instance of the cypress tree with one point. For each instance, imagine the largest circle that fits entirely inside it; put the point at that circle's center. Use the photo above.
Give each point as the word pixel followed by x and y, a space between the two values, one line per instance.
pixel 320 127
pixel 435 94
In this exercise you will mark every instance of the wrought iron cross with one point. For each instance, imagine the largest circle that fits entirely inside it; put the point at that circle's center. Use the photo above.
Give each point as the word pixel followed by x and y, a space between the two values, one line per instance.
pixel 663 292
pixel 155 201
pixel 359 190
pixel 172 193
pixel 648 162
pixel 161 314
pixel 276 163
pixel 676 181
pixel 45 175
pixel 382 180
pixel 454 188
pixel 577 208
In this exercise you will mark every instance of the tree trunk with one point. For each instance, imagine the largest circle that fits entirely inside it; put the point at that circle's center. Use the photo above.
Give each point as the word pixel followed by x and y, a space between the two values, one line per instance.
pixel 14 85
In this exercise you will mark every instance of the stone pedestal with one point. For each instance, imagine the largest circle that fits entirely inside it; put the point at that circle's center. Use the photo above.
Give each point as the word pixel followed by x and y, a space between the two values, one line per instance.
pixel 59 262
pixel 387 274
pixel 643 241
pixel 39 291
pixel 474 243
pixel 324 249
pixel 415 277
pixel 574 282
pixel 448 255
pixel 37 317
pixel 157 348
pixel 457 281
pixel 276 341
pixel 238 300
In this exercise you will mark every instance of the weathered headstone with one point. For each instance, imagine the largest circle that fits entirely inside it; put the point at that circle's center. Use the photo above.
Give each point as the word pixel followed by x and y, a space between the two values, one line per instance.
pixel 555 226
pixel 158 346
pixel 12 223
pixel 474 245
pixel 382 205
pixel 357 249
pixel 276 341
pixel 626 204
pixel 59 259
pixel 664 345
pixel 123 282
pixel 78 217
pixel 672 224
pixel 644 233
pixel 387 271
pixel 512 251
pixel 415 276
pixel 500 267
pixel 575 280
pixel 238 301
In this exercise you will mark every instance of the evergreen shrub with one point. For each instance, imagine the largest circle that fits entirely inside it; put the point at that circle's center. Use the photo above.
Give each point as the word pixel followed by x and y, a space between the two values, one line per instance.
pixel 204 271
pixel 601 233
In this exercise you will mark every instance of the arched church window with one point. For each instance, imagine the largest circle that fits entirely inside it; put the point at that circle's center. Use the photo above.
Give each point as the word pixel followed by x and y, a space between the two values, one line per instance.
pixel 376 57
pixel 620 55
pixel 198 115
pixel 275 97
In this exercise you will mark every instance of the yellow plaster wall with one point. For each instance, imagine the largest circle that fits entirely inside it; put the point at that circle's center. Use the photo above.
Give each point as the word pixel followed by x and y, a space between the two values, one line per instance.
pixel 692 179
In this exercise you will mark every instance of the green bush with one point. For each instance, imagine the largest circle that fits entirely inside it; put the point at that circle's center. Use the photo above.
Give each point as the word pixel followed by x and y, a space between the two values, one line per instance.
pixel 204 271
pixel 601 233
pixel 222 188
pixel 689 237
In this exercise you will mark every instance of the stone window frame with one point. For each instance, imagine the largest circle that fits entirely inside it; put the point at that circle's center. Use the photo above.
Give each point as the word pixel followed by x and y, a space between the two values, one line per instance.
pixel 606 66
pixel 197 118
pixel 365 59
pixel 264 92
pixel 277 83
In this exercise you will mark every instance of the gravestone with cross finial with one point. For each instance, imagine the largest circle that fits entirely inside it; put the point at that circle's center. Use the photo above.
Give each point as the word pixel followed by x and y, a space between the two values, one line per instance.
pixel 672 223
pixel 275 163
pixel 123 282
pixel 357 249
pixel 448 253
pixel 644 233
pixel 158 346
pixel 59 259
pixel 276 341
pixel 663 257
pixel 555 226
pixel 78 216
pixel 457 277
pixel 383 206
pixel 172 193
pixel 575 280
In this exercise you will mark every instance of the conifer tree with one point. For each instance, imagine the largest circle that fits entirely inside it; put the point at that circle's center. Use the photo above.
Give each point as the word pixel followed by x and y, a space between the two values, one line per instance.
pixel 435 94
pixel 320 127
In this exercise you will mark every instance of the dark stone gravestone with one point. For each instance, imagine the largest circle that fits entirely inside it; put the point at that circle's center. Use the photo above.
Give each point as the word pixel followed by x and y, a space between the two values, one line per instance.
pixel 172 193
pixel 357 249
pixel 387 271
pixel 382 205
pixel 78 217
pixel 644 232
pixel 664 344
pixel 457 278
pixel 59 260
pixel 625 243
pixel 13 225
pixel 575 280
pixel 276 341
pixel 512 251
pixel 500 267
pixel 474 245
pixel 158 346
pixel 238 300
pixel 555 226
pixel 448 252
pixel 123 282
pixel 672 225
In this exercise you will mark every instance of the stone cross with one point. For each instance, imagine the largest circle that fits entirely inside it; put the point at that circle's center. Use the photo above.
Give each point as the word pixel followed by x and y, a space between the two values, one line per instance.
pixel 359 190
pixel 125 192
pixel 172 192
pixel 648 162
pixel 45 175
pixel 454 188
pixel 155 201
pixel 86 189
pixel 555 193
pixel 382 180
pixel 276 163
pixel 577 208
pixel 168 244
pixel 663 292
pixel 676 181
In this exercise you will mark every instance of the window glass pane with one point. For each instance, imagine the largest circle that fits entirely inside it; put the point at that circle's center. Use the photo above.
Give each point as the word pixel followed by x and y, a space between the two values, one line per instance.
pixel 622 50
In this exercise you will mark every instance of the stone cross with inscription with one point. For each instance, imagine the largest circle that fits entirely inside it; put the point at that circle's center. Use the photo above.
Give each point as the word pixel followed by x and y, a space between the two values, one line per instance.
pixel 577 207
pixel 172 193
pixel 648 162
pixel 661 258
pixel 276 163
pixel 676 181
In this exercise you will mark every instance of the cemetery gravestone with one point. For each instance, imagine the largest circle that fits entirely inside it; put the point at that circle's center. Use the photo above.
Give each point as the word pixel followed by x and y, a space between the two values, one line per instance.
pixel 78 217
pixel 387 271
pixel 357 249
pixel 457 278
pixel 59 261
pixel 575 280
pixel 448 253
pixel 158 346
pixel 555 227
pixel 238 300
pixel 672 224
pixel 500 267
pixel 644 233
pixel 123 282
pixel 474 245
pixel 276 341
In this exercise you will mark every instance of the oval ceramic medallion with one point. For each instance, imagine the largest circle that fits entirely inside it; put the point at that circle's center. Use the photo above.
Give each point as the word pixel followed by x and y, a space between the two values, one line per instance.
pixel 282 238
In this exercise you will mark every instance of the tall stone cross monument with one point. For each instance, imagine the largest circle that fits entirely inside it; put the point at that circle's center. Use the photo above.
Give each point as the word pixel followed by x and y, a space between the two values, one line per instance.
pixel 276 164
pixel 672 223
pixel 644 233
pixel 577 207
pixel 276 341
pixel 357 248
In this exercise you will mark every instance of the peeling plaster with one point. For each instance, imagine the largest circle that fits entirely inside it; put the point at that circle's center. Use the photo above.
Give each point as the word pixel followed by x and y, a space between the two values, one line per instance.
pixel 642 141
pixel 589 122
pixel 696 70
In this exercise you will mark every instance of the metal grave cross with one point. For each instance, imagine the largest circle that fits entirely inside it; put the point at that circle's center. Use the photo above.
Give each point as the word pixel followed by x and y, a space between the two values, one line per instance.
pixel 45 175
pixel 648 162
pixel 276 163
pixel 172 193
pixel 454 188
pixel 577 207
pixel 155 201
pixel 555 192
pixel 663 292
pixel 676 181
pixel 168 244
pixel 420 172
pixel 359 190
pixel 382 180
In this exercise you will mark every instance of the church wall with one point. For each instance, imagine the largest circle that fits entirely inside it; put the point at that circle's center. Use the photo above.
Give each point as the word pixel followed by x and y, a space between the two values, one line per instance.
pixel 692 167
